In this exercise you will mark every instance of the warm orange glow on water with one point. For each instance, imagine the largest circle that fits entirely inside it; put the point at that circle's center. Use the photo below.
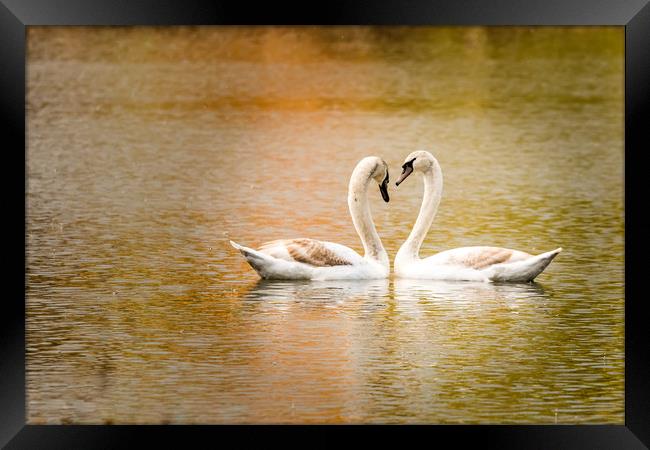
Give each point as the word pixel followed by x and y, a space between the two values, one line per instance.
pixel 150 148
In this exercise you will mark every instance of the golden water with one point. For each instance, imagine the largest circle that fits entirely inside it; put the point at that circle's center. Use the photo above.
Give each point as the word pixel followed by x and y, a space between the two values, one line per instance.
pixel 149 148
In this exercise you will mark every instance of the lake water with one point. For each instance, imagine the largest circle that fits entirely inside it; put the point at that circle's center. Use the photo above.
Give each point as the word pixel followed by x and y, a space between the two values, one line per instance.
pixel 149 148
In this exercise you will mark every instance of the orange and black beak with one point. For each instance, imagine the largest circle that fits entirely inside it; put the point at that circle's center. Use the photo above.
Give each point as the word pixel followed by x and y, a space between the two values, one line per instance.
pixel 407 169
pixel 383 188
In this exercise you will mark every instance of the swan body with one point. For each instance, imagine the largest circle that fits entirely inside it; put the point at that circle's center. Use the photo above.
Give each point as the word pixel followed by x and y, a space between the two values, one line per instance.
pixel 479 263
pixel 310 259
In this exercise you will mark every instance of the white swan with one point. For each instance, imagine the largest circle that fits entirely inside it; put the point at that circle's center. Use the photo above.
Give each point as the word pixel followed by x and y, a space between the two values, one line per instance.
pixel 466 263
pixel 309 259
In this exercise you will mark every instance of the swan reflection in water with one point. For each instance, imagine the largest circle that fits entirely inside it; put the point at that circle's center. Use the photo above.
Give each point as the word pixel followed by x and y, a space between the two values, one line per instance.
pixel 404 294
pixel 465 292
pixel 381 342
pixel 319 292
pixel 474 324
pixel 417 295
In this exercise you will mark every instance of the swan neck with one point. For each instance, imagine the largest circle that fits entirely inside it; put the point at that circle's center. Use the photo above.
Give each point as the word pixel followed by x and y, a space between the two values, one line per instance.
pixel 432 178
pixel 362 218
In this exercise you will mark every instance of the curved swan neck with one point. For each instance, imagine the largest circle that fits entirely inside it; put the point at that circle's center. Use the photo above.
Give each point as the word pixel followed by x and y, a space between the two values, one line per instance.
pixel 432 178
pixel 361 216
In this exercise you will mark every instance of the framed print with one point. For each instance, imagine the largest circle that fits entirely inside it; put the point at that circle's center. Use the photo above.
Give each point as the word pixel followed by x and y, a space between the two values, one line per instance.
pixel 204 244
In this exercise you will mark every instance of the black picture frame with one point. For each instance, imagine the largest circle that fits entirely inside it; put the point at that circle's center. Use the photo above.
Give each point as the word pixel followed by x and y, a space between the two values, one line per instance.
pixel 634 15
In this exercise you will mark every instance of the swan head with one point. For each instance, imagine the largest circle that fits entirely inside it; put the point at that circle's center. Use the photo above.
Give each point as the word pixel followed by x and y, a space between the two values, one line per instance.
pixel 370 168
pixel 418 161
pixel 380 175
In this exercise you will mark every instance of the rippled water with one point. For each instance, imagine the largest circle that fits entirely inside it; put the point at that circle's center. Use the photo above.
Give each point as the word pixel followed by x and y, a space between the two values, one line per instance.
pixel 149 148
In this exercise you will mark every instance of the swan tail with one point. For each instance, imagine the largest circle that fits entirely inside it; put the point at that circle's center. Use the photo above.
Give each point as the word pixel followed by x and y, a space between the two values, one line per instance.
pixel 542 261
pixel 269 267
pixel 257 260
pixel 526 270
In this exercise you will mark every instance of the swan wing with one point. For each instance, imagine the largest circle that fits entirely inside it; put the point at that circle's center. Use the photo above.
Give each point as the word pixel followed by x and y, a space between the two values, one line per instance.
pixel 477 258
pixel 494 263
pixel 311 252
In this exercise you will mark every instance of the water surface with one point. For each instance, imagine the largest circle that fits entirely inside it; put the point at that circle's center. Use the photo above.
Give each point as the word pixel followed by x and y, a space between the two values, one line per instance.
pixel 149 148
